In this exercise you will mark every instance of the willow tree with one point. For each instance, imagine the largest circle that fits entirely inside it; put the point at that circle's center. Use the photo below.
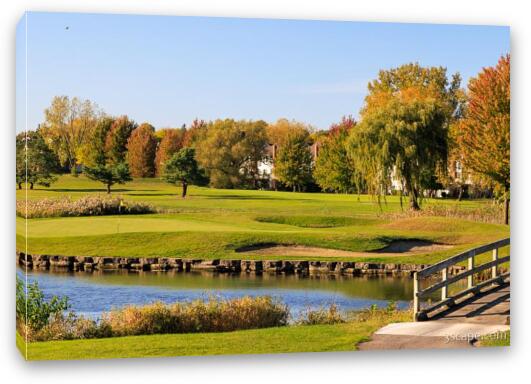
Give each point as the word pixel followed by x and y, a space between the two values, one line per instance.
pixel 403 132
pixel 484 134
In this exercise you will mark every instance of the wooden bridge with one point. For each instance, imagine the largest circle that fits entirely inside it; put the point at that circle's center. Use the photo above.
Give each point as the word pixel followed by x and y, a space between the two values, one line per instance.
pixel 473 291
pixel 448 313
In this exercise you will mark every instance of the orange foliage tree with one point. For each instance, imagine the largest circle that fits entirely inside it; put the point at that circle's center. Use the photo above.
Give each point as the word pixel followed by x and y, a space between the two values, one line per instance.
pixel 141 148
pixel 484 134
pixel 170 143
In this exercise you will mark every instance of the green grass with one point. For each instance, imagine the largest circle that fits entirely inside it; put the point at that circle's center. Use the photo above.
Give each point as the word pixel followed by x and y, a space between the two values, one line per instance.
pixel 213 223
pixel 497 340
pixel 310 338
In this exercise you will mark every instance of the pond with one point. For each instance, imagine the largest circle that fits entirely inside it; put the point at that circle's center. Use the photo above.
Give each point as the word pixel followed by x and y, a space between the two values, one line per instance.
pixel 92 293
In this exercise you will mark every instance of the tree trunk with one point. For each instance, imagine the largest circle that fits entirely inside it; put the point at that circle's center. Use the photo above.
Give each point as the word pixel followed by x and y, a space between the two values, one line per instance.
pixel 185 188
pixel 413 199
pixel 506 210
pixel 460 197
pixel 31 185
pixel 294 188
pixel 108 188
pixel 19 185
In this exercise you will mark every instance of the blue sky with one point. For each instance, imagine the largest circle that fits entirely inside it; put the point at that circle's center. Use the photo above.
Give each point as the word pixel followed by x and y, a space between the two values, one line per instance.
pixel 168 70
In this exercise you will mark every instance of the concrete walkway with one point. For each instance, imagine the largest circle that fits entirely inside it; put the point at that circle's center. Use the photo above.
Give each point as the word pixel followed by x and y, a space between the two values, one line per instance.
pixel 482 315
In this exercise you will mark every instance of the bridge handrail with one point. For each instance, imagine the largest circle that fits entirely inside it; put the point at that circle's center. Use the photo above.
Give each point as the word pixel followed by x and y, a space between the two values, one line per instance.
pixel 469 255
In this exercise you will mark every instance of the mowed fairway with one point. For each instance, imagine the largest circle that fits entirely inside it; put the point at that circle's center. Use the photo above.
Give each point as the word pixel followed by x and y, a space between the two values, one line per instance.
pixel 213 223
pixel 309 338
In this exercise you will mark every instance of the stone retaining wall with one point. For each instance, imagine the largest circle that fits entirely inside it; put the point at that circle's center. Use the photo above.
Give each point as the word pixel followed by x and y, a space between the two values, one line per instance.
pixel 161 264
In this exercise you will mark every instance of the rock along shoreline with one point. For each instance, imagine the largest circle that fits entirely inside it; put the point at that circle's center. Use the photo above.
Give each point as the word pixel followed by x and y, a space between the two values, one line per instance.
pixel 162 264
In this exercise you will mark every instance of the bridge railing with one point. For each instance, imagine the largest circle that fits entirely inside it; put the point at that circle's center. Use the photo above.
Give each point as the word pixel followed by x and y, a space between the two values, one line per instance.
pixel 445 281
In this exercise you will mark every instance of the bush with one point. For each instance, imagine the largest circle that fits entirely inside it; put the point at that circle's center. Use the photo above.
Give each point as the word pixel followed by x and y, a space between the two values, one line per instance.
pixel 330 315
pixel 198 316
pixel 70 327
pixel 33 313
pixel 97 205
pixel 213 315
pixel 384 315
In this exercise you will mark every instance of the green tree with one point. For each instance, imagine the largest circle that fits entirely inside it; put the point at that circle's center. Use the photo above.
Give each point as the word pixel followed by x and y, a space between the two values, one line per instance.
pixel 183 168
pixel 141 149
pixel 116 140
pixel 403 133
pixel 230 152
pixel 293 164
pixel 35 162
pixel 483 135
pixel 109 174
pixel 334 168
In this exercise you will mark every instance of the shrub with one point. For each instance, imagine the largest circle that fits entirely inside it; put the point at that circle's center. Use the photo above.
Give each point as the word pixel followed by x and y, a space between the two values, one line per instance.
pixel 384 315
pixel 213 315
pixel 70 327
pixel 97 205
pixel 330 315
pixel 33 312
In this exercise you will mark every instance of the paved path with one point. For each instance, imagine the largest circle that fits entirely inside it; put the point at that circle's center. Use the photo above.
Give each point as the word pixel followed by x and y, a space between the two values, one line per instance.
pixel 482 315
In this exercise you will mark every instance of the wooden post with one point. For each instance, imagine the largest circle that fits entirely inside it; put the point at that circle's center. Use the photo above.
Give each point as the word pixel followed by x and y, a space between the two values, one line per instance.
pixel 494 258
pixel 416 306
pixel 444 290
pixel 471 267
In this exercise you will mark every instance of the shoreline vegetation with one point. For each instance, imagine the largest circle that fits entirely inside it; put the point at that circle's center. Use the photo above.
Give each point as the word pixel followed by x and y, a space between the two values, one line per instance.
pixel 47 330
pixel 203 328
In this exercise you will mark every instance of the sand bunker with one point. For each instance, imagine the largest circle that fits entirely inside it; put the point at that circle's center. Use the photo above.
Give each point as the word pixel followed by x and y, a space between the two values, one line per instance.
pixel 396 248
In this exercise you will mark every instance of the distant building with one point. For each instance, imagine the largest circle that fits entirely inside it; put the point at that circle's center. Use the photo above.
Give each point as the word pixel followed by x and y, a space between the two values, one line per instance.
pixel 266 167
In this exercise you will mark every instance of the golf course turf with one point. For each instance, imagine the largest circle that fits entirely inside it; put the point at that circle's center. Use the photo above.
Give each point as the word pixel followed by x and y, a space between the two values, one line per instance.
pixel 213 223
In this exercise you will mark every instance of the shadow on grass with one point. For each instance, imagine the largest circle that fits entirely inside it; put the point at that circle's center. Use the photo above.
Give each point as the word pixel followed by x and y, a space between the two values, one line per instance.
pixel 103 190
pixel 245 197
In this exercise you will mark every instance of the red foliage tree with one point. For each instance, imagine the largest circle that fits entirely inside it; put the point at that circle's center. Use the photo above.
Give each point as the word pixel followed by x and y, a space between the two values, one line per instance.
pixel 484 134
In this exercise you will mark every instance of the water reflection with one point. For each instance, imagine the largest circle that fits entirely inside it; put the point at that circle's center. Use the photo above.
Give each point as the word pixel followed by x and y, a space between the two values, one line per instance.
pixel 92 293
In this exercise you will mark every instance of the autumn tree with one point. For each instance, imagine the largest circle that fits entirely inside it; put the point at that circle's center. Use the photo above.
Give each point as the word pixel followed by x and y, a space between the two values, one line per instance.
pixel 109 166
pixel 279 132
pixel 403 132
pixel 334 168
pixel 141 148
pixel 116 140
pixel 171 142
pixel 230 152
pixel 293 164
pixel 483 135
pixel 195 133
pixel 182 168
pixel 93 151
pixel 35 162
pixel 68 126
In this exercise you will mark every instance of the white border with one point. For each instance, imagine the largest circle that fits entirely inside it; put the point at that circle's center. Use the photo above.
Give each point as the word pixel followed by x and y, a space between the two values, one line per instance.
pixel 393 367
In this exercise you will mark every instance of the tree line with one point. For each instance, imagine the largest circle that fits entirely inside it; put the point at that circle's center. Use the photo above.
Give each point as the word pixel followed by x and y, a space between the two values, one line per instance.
pixel 418 127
